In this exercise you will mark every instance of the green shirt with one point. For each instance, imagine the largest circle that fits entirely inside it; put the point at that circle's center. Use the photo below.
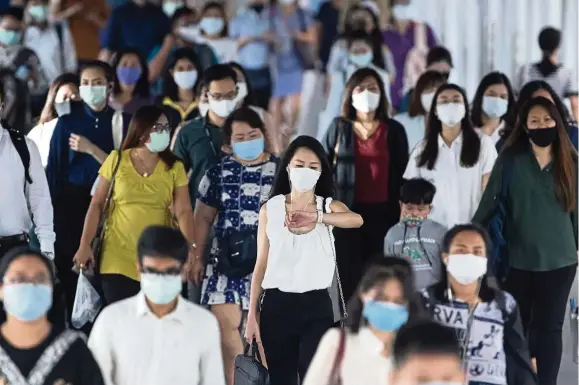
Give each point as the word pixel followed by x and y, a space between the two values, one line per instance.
pixel 198 144
pixel 540 235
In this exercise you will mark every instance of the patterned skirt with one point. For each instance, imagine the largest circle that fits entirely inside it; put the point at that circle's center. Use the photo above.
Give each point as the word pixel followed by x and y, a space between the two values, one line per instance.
pixel 219 289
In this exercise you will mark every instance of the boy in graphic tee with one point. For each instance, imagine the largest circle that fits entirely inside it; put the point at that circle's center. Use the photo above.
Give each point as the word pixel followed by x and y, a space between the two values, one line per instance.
pixel 417 238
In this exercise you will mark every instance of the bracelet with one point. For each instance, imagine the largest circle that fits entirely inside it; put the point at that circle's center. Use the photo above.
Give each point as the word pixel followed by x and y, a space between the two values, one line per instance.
pixel 193 246
pixel 320 217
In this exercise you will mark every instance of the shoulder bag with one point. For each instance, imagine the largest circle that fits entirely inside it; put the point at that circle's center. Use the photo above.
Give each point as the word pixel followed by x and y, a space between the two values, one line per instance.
pixel 248 367
pixel 97 241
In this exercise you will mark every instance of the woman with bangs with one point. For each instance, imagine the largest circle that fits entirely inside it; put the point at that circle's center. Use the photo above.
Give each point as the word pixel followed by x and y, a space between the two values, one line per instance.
pixel 494 106
pixel 540 225
pixel 414 121
pixel 369 152
pixel 454 157
pixel 149 185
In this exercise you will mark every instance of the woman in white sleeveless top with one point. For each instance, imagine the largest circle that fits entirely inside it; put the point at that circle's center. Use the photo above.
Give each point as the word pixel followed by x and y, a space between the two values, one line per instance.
pixel 296 262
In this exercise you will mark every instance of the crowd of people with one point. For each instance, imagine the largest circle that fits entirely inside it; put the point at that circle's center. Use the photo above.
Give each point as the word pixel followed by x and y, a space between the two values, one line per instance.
pixel 421 238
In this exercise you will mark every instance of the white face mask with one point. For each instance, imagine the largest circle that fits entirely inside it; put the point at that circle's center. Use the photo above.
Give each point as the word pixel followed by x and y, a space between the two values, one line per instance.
pixel 402 12
pixel 365 101
pixel 450 114
pixel 203 108
pixel 494 107
pixel 304 179
pixel 466 268
pixel 222 108
pixel 241 91
pixel 185 79
pixel 189 33
pixel 161 289
pixel 426 100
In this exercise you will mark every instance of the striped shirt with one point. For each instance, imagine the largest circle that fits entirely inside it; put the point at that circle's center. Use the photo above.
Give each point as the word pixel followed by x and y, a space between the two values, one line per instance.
pixel 563 80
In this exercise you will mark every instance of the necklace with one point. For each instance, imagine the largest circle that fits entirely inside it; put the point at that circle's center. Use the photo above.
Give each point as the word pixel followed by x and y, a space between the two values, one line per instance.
pixel 136 156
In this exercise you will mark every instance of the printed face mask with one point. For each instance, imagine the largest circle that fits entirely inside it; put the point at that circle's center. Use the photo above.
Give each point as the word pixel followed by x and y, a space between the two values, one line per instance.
pixel 39 13
pixel 62 108
pixel 185 79
pixel 385 316
pixel 362 59
pixel 171 7
pixel 426 100
pixel 26 301
pixel 189 32
pixel 365 101
pixel 212 25
pixel 93 95
pixel 304 179
pixel 222 108
pixel 451 113
pixel 494 107
pixel 543 137
pixel 248 150
pixel 413 221
pixel 161 289
pixel 466 268
pixel 9 37
pixel 159 141
pixel 241 91
pixel 129 75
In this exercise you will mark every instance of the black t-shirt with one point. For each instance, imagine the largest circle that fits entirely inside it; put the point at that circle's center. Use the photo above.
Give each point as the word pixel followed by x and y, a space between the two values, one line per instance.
pixel 328 16
pixel 76 367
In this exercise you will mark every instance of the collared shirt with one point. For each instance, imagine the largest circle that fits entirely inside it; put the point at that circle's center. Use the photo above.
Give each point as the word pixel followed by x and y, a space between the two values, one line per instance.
pixel 55 56
pixel 130 26
pixel 458 188
pixel 362 363
pixel 16 197
pixel 133 346
pixel 248 23
pixel 198 144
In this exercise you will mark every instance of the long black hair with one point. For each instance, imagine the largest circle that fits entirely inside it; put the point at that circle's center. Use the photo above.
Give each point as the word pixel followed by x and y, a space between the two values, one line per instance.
pixel 471 145
pixel 375 34
pixel 378 55
pixel 377 274
pixel 348 110
pixel 426 80
pixel 488 287
pixel 488 80
pixel 170 88
pixel 325 186
pixel 250 97
pixel 142 88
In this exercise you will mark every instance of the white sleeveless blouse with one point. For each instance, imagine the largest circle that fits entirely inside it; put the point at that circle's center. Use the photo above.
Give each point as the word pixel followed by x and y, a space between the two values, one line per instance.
pixel 298 263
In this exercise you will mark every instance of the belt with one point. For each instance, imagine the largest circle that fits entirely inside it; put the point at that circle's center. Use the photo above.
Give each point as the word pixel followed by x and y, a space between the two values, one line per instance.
pixel 13 239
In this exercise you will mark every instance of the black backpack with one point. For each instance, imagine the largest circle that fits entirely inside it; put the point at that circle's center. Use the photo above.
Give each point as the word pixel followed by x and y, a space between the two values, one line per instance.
pixel 16 95
pixel 19 142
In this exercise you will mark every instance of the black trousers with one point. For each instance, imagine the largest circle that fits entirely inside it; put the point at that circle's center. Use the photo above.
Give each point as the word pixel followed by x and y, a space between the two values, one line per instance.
pixel 355 248
pixel 292 325
pixel 117 287
pixel 261 83
pixel 542 298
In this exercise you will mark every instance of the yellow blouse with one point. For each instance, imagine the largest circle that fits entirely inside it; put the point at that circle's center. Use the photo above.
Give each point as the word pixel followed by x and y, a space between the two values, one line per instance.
pixel 137 202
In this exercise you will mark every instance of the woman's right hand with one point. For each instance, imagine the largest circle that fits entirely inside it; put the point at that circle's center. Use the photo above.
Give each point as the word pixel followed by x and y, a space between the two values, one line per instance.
pixel 252 329
pixel 83 257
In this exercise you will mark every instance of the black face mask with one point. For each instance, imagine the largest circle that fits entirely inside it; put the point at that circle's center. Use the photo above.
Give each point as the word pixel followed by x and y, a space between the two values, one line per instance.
pixel 257 7
pixel 543 137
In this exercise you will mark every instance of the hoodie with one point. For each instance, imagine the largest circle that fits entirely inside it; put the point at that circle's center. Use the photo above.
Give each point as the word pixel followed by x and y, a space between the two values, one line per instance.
pixel 420 246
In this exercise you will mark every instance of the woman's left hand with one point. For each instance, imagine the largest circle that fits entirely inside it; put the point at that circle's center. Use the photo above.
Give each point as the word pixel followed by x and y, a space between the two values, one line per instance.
pixel 297 219
pixel 80 144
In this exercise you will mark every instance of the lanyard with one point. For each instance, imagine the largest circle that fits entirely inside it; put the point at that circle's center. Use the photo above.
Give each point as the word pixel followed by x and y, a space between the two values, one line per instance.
pixel 210 140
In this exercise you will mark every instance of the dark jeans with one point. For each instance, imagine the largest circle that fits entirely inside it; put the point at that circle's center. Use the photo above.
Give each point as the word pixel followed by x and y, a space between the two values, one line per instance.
pixel 117 287
pixel 292 325
pixel 260 81
pixel 542 298
pixel 355 248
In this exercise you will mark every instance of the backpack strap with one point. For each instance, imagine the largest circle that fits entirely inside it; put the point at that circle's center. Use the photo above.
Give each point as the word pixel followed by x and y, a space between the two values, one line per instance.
pixel 19 142
pixel 117 124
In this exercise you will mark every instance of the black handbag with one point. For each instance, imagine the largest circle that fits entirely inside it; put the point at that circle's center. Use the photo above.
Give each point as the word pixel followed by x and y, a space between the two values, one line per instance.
pixel 248 367
pixel 237 254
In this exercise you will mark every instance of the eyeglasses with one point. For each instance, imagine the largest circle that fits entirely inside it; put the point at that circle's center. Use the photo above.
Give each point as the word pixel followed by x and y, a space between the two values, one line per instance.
pixel 219 96
pixel 169 271
pixel 38 280
pixel 160 127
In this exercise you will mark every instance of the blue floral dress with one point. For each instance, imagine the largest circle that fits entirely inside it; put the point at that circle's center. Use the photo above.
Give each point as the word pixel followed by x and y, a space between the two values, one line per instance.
pixel 237 192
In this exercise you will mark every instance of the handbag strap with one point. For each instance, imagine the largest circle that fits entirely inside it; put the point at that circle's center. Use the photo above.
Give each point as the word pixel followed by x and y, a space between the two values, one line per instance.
pixel 104 212
pixel 335 377
pixel 252 350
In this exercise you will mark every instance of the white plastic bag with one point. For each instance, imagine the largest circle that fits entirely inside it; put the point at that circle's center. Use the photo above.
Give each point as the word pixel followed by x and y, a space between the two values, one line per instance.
pixel 87 302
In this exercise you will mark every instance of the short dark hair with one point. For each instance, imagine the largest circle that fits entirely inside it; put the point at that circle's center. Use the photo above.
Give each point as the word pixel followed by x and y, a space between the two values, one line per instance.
pixel 19 252
pixel 219 72
pixel 101 65
pixel 15 12
pixel 426 337
pixel 245 115
pixel 549 40
pixel 438 54
pixel 181 12
pixel 417 191
pixel 162 241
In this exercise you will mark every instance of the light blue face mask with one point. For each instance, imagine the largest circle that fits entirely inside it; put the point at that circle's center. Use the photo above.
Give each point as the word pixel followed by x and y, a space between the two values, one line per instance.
pixel 494 107
pixel 212 25
pixel 362 59
pixel 160 288
pixel 248 150
pixel 93 95
pixel 27 301
pixel 159 141
pixel 39 13
pixel 9 37
pixel 385 316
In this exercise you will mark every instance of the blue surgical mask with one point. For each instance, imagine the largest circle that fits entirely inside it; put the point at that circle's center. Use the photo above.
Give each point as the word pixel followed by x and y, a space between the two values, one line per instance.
pixel 161 288
pixel 185 79
pixel 159 141
pixel 494 107
pixel 212 25
pixel 27 301
pixel 385 316
pixel 362 59
pixel 93 95
pixel 248 150
pixel 39 13
pixel 9 37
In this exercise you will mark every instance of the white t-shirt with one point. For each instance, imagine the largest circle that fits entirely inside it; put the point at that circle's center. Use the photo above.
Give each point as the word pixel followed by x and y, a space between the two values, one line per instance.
pixel 225 49
pixel 458 188
pixel 41 136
